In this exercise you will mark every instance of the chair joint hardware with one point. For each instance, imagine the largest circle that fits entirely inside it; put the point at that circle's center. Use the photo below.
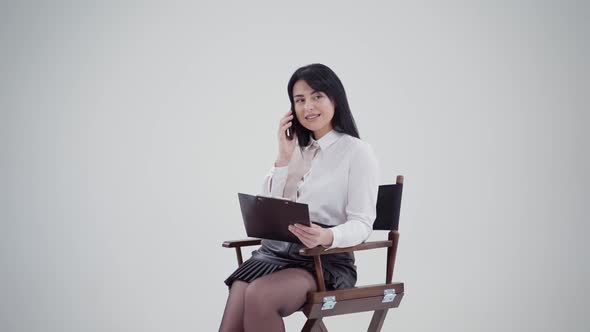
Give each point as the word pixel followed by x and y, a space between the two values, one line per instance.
pixel 388 295
pixel 329 302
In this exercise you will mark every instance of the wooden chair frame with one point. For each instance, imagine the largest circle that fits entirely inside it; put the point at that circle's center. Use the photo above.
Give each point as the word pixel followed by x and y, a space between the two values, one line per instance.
pixel 321 303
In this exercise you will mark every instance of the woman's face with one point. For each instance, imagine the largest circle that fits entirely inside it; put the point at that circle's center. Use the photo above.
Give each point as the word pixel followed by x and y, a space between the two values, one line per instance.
pixel 314 109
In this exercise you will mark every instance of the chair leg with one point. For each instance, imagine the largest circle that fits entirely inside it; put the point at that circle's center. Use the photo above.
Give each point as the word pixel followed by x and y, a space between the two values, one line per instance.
pixel 314 325
pixel 377 320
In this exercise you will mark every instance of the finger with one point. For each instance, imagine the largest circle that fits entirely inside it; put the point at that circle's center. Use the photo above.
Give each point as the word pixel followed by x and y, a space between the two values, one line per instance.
pixel 285 126
pixel 286 118
pixel 309 240
pixel 295 231
pixel 297 236
pixel 306 242
pixel 301 235
pixel 307 230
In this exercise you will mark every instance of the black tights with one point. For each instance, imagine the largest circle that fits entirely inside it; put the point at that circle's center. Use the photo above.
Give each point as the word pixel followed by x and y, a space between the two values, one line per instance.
pixel 260 305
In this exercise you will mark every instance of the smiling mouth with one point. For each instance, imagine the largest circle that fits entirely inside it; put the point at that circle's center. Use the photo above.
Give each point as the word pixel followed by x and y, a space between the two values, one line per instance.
pixel 311 117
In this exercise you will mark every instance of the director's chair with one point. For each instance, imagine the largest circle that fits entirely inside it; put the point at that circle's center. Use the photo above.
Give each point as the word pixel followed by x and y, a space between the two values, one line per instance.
pixel 378 298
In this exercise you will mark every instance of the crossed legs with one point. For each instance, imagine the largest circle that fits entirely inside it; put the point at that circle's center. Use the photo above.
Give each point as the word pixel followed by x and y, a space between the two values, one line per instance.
pixel 261 304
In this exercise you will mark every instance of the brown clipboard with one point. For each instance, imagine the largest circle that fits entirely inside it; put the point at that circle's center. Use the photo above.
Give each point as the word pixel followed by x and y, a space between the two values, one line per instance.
pixel 269 218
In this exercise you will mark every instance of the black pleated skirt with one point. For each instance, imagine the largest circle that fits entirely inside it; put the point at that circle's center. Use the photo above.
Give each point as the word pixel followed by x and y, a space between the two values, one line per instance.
pixel 339 269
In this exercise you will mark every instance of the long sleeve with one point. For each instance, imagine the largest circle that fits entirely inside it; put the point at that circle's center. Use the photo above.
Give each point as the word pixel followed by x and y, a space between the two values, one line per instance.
pixel 361 208
pixel 274 182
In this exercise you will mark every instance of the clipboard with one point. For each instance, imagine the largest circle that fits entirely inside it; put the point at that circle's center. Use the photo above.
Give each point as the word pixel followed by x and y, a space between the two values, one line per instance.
pixel 269 217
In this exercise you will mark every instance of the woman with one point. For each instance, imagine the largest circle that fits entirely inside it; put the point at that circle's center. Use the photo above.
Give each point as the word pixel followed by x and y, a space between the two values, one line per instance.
pixel 328 167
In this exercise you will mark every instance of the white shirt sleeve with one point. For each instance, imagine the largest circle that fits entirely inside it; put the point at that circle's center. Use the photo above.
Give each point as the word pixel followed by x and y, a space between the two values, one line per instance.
pixel 361 208
pixel 274 182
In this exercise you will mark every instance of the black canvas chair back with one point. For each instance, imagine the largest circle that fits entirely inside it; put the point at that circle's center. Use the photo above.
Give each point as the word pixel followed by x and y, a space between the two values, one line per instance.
pixel 389 201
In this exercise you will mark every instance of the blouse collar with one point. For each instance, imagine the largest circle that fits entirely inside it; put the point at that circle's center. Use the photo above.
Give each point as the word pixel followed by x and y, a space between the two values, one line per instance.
pixel 326 140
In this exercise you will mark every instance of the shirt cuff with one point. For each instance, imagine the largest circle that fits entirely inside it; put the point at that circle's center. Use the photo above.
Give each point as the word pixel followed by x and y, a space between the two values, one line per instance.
pixel 277 179
pixel 335 238
pixel 280 172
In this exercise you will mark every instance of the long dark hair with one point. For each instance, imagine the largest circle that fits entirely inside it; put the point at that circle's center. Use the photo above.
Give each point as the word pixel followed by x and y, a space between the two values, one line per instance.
pixel 321 78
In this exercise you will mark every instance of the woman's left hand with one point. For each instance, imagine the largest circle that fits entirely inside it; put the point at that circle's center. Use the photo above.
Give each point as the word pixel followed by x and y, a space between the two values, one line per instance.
pixel 312 236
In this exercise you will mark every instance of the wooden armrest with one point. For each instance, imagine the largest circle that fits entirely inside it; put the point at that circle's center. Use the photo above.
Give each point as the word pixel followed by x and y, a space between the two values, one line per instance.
pixel 319 250
pixel 241 243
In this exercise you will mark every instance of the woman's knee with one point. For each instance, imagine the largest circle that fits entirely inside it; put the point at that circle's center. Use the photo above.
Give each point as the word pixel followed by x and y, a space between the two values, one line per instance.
pixel 258 294
pixel 233 315
pixel 279 292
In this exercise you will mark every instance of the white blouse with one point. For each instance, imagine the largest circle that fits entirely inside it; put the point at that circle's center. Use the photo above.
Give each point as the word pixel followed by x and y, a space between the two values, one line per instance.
pixel 340 188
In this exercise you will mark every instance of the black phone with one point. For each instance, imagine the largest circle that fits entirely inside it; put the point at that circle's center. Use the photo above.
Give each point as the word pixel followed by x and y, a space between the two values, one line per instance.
pixel 290 132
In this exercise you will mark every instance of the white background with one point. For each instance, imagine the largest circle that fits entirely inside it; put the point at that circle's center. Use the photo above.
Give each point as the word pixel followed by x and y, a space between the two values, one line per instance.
pixel 127 129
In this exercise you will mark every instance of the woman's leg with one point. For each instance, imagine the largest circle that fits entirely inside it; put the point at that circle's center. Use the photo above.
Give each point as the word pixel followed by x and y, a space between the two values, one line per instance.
pixel 233 316
pixel 277 295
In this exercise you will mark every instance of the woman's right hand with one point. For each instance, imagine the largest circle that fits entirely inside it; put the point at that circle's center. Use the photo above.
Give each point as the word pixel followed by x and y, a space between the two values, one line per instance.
pixel 286 146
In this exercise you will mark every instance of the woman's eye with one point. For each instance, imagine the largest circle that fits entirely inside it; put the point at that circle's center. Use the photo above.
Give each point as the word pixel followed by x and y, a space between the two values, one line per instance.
pixel 318 96
pixel 298 100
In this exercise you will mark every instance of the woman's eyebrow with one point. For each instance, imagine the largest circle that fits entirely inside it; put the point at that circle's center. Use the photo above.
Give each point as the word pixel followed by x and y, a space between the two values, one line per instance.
pixel 295 96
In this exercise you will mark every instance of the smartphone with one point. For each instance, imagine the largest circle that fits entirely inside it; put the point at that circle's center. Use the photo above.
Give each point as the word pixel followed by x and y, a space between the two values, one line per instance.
pixel 290 132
